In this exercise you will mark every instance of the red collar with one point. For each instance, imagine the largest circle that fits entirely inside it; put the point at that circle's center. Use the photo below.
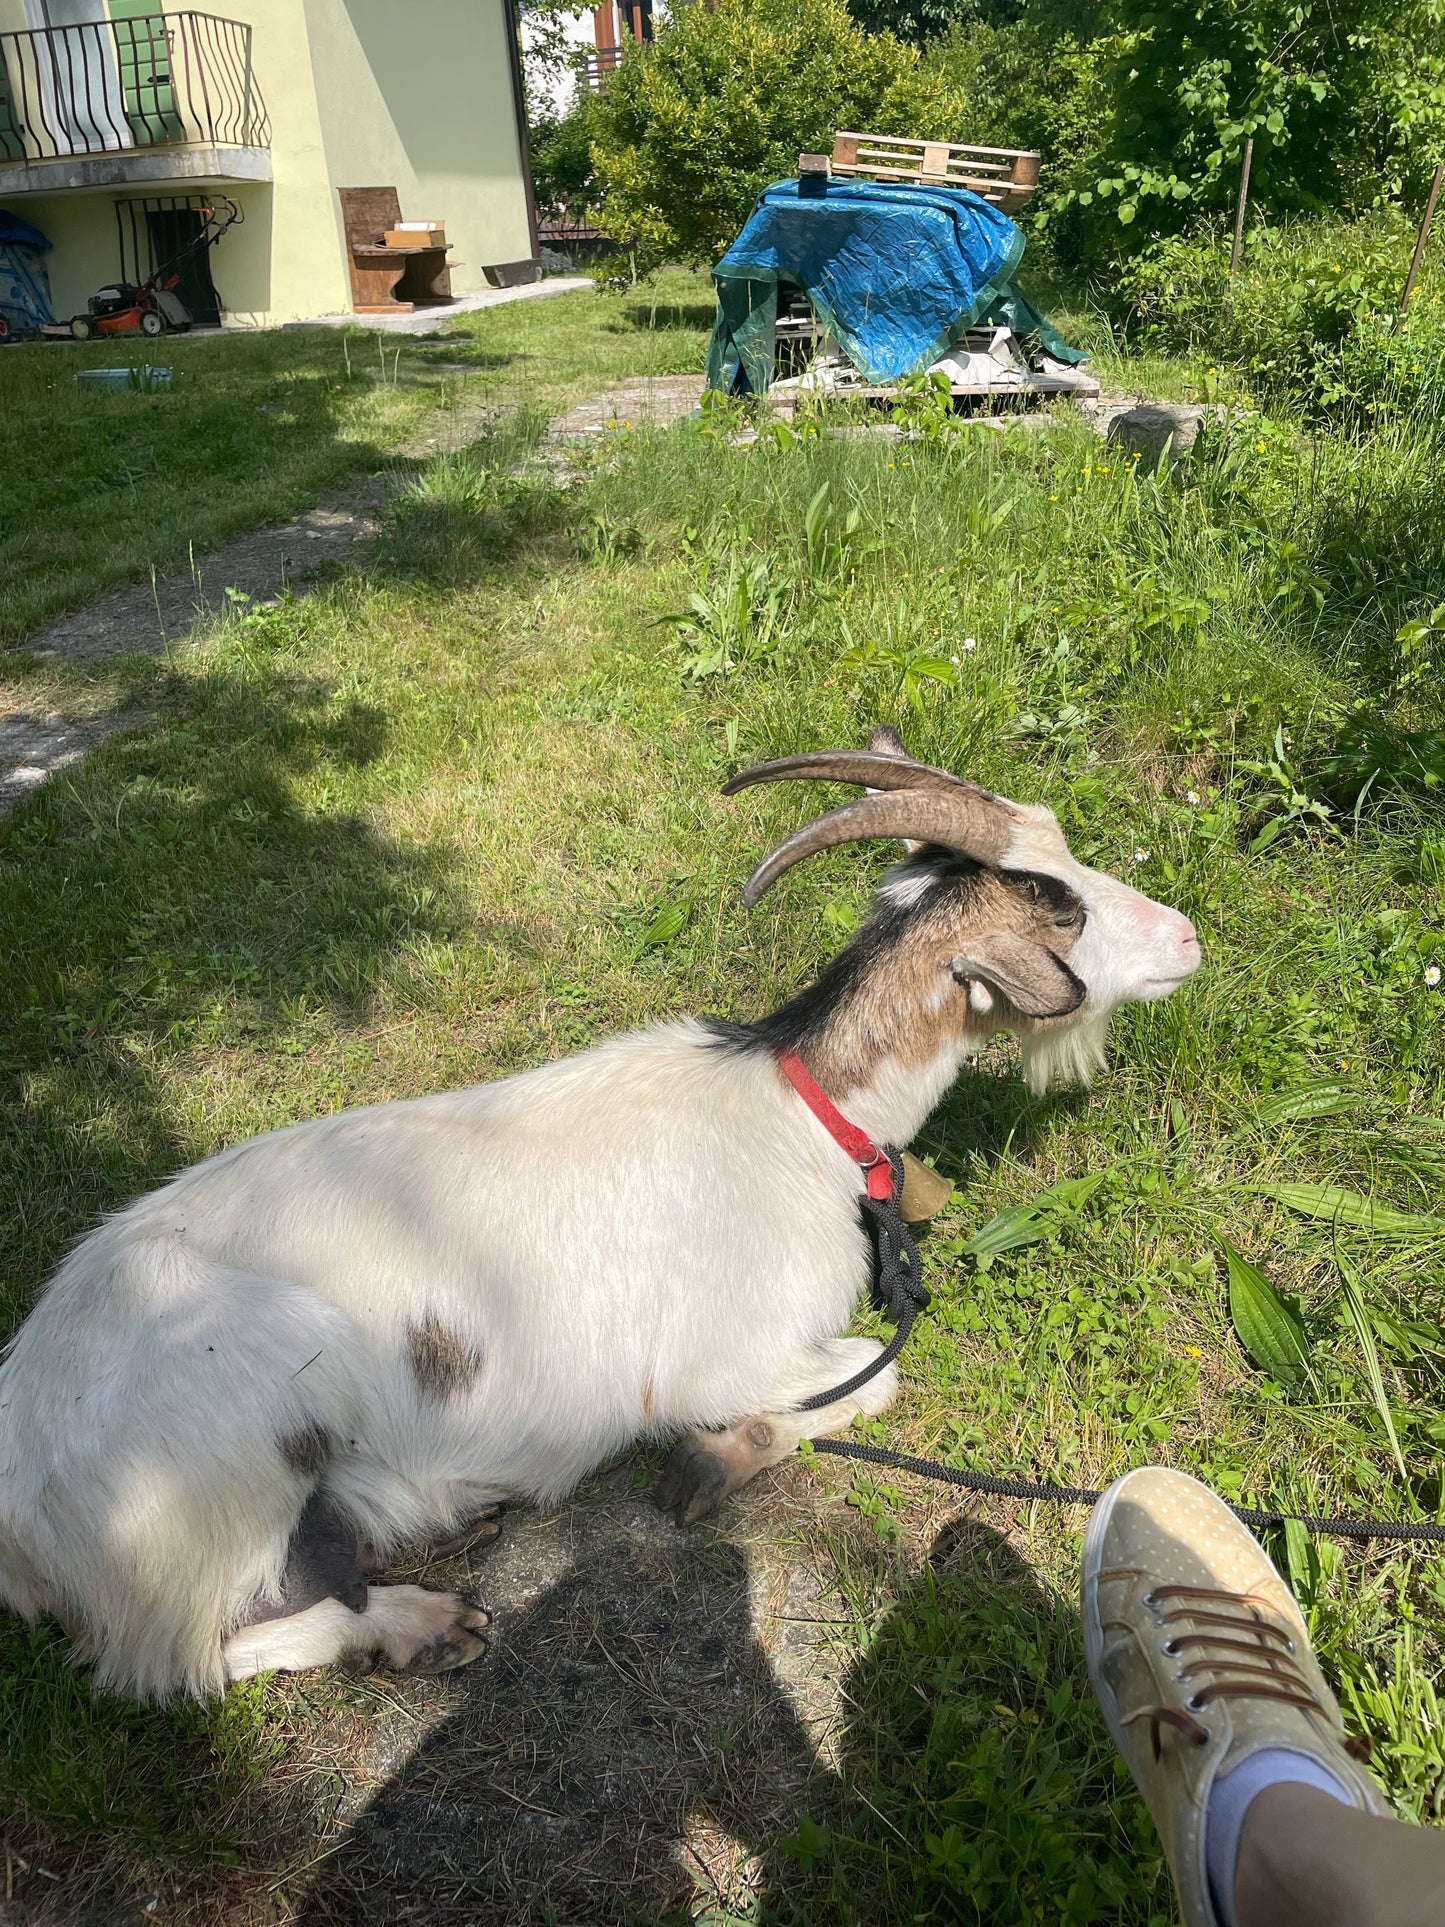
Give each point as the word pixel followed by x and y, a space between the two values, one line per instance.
pixel 859 1146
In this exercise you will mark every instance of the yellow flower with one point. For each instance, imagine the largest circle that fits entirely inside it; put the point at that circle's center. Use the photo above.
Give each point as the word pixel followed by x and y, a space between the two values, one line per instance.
pixel 1192 1351
pixel 1262 446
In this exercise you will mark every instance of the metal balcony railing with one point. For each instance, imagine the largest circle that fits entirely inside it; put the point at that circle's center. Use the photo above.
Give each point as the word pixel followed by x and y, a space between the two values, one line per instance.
pixel 103 86
pixel 595 69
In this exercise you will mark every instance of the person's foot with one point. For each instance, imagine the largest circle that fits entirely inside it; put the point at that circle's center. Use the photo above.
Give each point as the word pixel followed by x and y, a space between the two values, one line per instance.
pixel 1201 1664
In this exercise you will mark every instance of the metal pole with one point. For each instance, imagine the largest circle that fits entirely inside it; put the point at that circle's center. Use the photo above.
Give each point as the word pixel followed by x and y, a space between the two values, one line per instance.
pixel 1424 236
pixel 246 134
pixel 1240 206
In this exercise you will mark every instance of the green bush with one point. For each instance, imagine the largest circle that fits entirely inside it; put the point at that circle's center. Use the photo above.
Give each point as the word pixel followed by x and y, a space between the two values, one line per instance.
pixel 722 103
pixel 1141 109
pixel 562 159
pixel 1312 316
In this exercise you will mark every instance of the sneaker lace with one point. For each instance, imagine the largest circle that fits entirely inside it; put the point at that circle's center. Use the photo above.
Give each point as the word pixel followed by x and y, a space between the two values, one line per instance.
pixel 1251 1657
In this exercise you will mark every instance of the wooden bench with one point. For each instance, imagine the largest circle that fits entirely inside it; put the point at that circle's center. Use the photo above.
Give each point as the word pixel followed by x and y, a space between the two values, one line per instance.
pixel 1006 176
pixel 386 280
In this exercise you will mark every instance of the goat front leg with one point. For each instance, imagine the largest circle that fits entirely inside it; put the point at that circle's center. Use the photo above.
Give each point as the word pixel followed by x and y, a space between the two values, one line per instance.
pixel 707 1466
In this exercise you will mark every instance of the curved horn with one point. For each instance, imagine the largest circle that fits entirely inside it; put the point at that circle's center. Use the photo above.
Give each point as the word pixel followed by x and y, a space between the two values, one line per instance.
pixel 874 769
pixel 967 820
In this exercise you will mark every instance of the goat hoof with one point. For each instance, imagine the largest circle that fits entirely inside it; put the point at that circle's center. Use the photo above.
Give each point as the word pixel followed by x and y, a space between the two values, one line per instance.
pixel 456 1644
pixel 694 1482
pixel 477 1532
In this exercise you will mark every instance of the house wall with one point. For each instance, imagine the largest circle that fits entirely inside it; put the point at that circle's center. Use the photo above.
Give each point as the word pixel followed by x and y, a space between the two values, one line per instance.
pixel 286 262
pixel 419 97
pixel 361 93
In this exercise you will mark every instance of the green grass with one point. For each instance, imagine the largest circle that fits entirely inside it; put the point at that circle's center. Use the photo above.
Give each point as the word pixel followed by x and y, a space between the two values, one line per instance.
pixel 107 487
pixel 417 830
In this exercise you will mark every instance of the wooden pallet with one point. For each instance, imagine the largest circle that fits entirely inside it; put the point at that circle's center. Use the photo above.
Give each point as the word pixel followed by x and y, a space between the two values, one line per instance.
pixel 1006 176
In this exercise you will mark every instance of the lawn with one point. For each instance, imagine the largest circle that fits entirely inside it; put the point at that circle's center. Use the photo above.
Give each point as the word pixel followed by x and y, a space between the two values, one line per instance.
pixel 105 488
pixel 459 813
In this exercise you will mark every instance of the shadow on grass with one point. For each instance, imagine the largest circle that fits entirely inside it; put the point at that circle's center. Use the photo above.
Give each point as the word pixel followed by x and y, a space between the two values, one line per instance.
pixel 177 893
pixel 991 1117
pixel 627 1752
pixel 665 315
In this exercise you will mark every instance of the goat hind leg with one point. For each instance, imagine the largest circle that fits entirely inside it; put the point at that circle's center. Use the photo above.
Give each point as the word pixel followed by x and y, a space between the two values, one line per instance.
pixel 706 1467
pixel 416 1631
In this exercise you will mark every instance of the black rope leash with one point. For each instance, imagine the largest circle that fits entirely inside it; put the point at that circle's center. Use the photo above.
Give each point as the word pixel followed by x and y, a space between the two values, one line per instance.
pixel 898 1288
pixel 900 1293
pixel 1080 1495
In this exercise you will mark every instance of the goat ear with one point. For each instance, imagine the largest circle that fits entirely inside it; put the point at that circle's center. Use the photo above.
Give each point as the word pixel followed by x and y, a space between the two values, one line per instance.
pixel 1034 980
pixel 886 740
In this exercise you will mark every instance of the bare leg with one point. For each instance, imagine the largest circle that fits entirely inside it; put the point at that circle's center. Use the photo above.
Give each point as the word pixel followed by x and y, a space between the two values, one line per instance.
pixel 415 1630
pixel 706 1467
pixel 1306 1860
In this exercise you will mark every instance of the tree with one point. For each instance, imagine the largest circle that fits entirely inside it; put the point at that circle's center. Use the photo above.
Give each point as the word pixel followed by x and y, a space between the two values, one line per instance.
pixel 1335 100
pixel 722 102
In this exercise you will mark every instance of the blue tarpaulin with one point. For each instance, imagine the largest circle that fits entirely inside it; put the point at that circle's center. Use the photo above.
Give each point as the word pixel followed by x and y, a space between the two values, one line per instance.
pixel 24 284
pixel 896 273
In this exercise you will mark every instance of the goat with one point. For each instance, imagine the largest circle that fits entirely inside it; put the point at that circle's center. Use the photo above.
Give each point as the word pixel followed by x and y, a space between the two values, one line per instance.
pixel 238 1397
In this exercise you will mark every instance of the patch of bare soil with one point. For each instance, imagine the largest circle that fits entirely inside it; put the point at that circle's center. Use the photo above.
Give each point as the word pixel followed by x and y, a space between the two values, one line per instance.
pixel 656 1711
pixel 34 745
pixel 147 618
pixel 658 399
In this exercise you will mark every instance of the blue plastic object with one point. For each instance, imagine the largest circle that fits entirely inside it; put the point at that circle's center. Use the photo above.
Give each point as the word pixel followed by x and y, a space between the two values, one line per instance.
pixel 895 273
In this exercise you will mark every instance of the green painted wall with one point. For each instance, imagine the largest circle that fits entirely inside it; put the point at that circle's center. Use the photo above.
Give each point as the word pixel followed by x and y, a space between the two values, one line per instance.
pixel 420 98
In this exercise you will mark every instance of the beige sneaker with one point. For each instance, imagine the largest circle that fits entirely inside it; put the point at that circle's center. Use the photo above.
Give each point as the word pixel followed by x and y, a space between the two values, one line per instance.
pixel 1198 1658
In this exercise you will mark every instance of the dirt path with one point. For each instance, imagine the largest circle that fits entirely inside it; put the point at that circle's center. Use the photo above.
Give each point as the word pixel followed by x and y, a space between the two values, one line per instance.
pixel 148 618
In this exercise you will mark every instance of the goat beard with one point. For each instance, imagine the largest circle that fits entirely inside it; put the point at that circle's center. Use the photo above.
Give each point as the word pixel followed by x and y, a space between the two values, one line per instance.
pixel 1064 1053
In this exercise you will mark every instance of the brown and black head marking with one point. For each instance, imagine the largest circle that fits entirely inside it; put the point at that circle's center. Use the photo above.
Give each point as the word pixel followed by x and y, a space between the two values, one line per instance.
pixel 306 1449
pixel 956 941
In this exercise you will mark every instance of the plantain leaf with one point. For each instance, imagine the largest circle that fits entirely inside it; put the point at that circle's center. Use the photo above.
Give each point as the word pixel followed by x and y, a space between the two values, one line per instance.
pixel 1269 1327
pixel 666 926
pixel 1030 1224
pixel 1324 1097
pixel 1021 1224
pixel 1351 1208
pixel 1352 1288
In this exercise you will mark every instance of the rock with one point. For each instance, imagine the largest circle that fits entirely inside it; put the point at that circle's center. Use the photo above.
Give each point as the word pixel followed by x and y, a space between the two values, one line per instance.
pixel 1146 431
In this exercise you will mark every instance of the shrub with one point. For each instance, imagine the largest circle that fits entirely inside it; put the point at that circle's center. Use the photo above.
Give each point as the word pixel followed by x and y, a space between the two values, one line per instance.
pixel 562 159
pixel 1141 109
pixel 721 103
pixel 1313 314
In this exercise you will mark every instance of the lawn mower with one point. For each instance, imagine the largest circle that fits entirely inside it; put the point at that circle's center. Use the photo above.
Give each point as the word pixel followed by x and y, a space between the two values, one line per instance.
pixel 153 307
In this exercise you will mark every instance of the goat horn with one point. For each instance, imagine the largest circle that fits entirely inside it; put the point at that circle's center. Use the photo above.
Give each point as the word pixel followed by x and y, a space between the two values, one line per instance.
pixel 874 769
pixel 965 819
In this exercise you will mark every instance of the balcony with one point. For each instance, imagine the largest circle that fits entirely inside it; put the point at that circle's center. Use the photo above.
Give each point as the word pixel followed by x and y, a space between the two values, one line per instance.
pixel 162 98
pixel 595 70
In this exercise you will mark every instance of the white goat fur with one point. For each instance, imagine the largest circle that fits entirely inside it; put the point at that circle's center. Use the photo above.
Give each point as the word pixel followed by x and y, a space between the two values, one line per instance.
pixel 654 1234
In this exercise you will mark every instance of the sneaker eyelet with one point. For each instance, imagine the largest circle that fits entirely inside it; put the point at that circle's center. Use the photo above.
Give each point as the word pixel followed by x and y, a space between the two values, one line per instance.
pixel 1290 1647
pixel 1149 1599
pixel 1194 1703
pixel 1170 1649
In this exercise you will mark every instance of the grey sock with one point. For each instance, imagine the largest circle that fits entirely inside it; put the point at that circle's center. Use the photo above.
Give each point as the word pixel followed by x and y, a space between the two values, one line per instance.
pixel 1230 1800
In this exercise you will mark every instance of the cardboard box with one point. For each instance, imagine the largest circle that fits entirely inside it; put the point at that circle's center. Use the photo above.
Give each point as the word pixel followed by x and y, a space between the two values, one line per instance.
pixel 416 234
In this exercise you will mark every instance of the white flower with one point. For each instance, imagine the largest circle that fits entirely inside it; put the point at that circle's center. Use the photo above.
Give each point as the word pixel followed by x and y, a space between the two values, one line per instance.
pixel 954 661
pixel 1192 797
pixel 970 643
pixel 1432 975
pixel 1141 856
